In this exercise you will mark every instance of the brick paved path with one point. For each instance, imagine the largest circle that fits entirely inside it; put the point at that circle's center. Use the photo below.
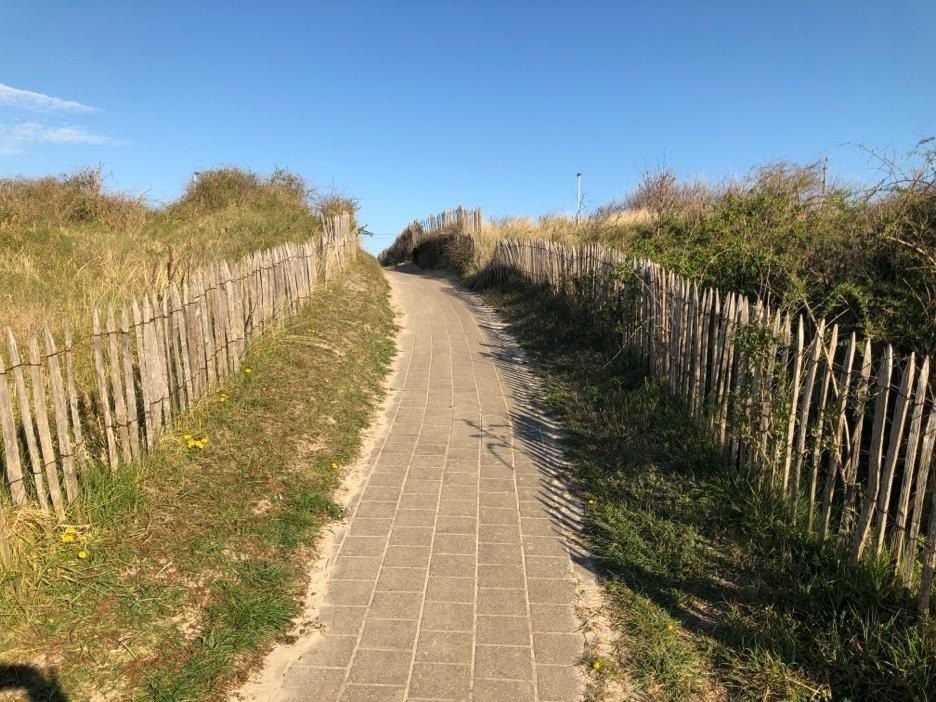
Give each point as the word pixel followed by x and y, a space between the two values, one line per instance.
pixel 453 580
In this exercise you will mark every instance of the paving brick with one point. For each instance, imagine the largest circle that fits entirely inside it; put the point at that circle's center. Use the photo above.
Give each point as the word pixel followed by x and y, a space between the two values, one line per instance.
pixel 444 647
pixel 448 616
pixel 349 592
pixel 426 473
pixel 496 485
pixel 550 591
pixel 499 554
pixel 371 693
pixel 507 631
pixel 376 509
pixel 548 567
pixel 430 449
pixel 453 565
pixel 380 668
pixel 499 533
pixel 363 546
pixel 440 681
pixel 395 605
pixel 446 589
pixel 406 556
pixel 329 652
pixel 415 517
pixel 543 546
pixel 380 493
pixel 502 576
pixel 504 662
pixel 463 479
pixel 430 487
pixel 558 649
pixel 454 543
pixel 462 454
pixel 337 619
pixel 502 691
pixel 539 526
pixel 411 536
pixel 325 681
pixel 461 465
pixel 370 527
pixel 389 634
pixel 458 508
pixel 419 500
pixel 559 684
pixel 357 568
pixel 448 524
pixel 498 515
pixel 554 618
pixel 387 479
pixel 459 492
pixel 498 499
pixel 532 508
pixel 504 602
pixel 393 579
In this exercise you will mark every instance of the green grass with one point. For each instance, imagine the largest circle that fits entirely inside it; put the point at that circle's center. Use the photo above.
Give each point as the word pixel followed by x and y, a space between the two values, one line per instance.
pixel 197 557
pixel 713 595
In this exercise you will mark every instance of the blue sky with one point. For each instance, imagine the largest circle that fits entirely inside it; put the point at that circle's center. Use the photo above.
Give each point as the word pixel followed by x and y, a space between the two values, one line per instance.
pixel 414 107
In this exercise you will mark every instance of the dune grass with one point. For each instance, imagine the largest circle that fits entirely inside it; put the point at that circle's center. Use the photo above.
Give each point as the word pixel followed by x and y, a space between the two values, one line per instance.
pixel 67 245
pixel 713 594
pixel 861 256
pixel 180 568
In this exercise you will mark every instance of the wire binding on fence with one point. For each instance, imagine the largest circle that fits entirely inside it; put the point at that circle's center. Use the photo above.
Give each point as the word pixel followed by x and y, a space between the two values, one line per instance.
pixel 181 342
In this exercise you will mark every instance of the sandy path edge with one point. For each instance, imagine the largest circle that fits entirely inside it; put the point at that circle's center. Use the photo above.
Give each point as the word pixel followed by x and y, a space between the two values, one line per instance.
pixel 264 682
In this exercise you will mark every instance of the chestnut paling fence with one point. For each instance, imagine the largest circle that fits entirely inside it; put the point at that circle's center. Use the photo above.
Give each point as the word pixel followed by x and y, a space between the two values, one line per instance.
pixel 147 361
pixel 460 222
pixel 842 428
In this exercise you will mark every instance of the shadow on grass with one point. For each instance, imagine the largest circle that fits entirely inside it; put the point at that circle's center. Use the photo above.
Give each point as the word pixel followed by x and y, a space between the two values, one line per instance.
pixel 28 679
pixel 710 587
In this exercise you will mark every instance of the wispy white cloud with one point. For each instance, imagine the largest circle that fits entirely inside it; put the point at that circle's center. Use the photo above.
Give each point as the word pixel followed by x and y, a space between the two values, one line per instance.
pixel 39 102
pixel 15 137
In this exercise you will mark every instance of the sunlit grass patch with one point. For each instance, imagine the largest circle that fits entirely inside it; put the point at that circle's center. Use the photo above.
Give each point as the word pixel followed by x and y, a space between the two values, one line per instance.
pixel 196 555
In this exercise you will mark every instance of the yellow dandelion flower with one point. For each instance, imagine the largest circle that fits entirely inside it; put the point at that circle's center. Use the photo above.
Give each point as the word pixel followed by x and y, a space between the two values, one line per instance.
pixel 68 538
pixel 191 443
pixel 83 555
pixel 248 370
pixel 596 664
pixel 334 466
pixel 187 437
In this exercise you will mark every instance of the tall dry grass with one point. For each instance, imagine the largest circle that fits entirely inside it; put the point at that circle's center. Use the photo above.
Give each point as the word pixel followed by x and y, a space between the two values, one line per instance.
pixel 67 245
pixel 863 257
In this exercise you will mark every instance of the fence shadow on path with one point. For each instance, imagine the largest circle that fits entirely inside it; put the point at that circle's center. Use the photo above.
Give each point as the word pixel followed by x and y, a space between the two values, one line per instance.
pixel 38 686
pixel 536 435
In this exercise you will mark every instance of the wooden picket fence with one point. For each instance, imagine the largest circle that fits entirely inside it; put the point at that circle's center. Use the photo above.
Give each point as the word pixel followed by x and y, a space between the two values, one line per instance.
pixel 842 428
pixel 152 359
pixel 457 222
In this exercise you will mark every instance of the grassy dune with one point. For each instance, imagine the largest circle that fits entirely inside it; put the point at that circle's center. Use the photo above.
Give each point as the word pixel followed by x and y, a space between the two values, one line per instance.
pixel 863 257
pixel 67 245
